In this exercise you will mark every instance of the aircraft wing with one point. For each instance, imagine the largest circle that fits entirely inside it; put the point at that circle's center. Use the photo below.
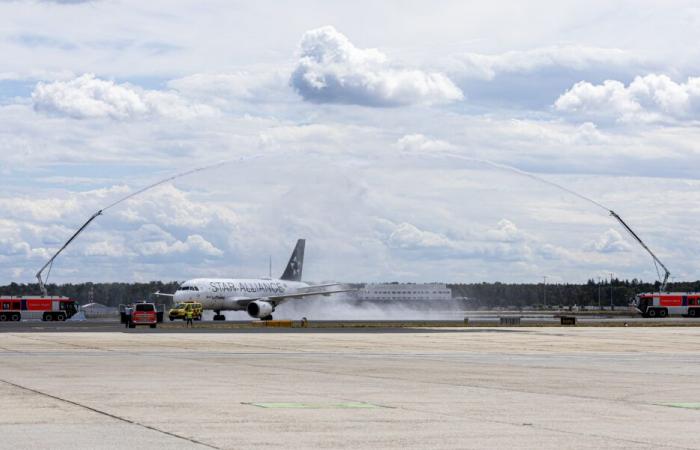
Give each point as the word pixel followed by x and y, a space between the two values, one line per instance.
pixel 163 294
pixel 277 299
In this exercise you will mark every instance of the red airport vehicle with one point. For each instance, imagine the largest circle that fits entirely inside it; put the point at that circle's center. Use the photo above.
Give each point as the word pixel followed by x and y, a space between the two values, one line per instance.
pixel 142 314
pixel 30 307
pixel 663 304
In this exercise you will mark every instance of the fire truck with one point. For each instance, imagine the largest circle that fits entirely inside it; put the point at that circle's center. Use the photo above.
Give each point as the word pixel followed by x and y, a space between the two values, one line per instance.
pixel 662 304
pixel 44 308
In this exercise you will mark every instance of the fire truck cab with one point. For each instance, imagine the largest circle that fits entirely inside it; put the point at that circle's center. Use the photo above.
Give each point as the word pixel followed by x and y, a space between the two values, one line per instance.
pixel 47 309
pixel 663 304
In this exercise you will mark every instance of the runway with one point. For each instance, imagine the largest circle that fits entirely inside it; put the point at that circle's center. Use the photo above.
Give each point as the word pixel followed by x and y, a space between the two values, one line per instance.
pixel 477 387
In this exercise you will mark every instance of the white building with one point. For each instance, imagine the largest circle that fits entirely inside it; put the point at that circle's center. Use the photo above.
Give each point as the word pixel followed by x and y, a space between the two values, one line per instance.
pixel 408 291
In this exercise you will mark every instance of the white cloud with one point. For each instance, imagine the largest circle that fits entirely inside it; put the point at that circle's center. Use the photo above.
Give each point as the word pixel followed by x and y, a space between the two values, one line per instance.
pixel 609 242
pixel 421 143
pixel 574 57
pixel 505 242
pixel 221 89
pixel 89 97
pixel 649 98
pixel 193 244
pixel 332 70
pixel 408 236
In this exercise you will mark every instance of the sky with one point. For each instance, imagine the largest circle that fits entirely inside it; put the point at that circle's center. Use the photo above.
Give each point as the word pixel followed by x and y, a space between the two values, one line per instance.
pixel 378 131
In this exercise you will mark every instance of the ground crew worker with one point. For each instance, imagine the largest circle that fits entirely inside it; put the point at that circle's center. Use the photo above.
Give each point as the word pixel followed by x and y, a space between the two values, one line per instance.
pixel 128 312
pixel 188 316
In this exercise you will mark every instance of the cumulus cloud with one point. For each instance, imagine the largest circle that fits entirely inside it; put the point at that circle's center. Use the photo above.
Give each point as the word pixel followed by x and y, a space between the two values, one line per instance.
pixel 649 98
pixel 87 97
pixel 609 242
pixel 332 70
pixel 193 244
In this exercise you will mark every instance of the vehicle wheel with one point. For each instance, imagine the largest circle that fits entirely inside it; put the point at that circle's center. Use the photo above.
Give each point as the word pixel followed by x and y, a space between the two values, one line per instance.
pixel 651 312
pixel 48 317
pixel 663 313
pixel 132 325
pixel 266 317
pixel 171 318
pixel 60 317
pixel 691 312
pixel 3 317
pixel 152 325
pixel 15 317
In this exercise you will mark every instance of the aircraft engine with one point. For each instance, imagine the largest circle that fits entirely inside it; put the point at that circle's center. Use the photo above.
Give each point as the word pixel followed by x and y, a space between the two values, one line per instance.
pixel 259 309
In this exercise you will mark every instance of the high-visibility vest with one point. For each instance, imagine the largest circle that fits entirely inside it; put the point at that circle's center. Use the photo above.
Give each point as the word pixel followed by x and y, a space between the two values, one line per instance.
pixel 189 314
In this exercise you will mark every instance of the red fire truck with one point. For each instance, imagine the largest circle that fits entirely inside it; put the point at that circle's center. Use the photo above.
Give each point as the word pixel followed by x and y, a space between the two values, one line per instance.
pixel 662 304
pixel 44 308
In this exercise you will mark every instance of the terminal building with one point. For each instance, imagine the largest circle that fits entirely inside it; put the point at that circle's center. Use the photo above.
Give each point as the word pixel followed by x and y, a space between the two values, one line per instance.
pixel 428 292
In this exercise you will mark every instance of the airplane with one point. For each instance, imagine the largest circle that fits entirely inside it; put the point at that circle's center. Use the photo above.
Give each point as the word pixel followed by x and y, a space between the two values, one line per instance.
pixel 258 296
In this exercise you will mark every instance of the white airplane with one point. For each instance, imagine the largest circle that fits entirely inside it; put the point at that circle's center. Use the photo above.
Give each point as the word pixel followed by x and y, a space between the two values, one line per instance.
pixel 258 296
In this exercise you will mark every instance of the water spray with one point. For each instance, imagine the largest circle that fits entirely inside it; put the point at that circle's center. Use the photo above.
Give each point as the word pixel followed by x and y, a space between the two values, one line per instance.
pixel 657 261
pixel 49 263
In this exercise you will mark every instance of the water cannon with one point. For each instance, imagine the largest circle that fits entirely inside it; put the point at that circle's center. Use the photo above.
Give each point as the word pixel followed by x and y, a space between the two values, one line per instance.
pixel 657 261
pixel 49 263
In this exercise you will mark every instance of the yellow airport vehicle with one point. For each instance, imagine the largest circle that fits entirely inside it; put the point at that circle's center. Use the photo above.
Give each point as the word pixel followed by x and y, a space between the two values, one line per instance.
pixel 180 311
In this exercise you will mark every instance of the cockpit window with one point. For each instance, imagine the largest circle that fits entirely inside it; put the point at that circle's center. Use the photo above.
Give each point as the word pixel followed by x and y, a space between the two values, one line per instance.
pixel 189 288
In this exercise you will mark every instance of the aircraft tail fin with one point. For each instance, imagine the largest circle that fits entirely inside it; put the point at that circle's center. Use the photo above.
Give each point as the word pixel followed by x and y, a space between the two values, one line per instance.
pixel 296 262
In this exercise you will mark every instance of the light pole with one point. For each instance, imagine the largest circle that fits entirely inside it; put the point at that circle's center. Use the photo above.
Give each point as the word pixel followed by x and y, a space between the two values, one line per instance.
pixel 599 305
pixel 544 289
pixel 612 307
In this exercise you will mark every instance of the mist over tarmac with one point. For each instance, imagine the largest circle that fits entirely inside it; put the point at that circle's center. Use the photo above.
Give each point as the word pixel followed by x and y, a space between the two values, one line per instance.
pixel 344 307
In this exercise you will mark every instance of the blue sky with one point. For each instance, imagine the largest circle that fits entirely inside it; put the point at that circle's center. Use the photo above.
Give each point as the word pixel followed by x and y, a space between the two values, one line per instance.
pixel 349 111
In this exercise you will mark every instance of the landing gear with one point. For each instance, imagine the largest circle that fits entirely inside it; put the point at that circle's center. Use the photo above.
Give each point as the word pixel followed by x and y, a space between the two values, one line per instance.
pixel 219 316
pixel 266 317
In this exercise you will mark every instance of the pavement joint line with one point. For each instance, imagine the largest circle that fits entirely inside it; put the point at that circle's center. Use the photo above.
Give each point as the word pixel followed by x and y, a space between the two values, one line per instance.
pixel 112 416
pixel 314 405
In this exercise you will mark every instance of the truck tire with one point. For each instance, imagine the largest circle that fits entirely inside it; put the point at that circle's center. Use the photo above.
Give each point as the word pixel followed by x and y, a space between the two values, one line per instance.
pixel 15 317
pixel 153 325
pixel 61 317
pixel 651 312
pixel 692 312
pixel 3 317
pixel 171 318
pixel 132 325
pixel 663 312
pixel 48 317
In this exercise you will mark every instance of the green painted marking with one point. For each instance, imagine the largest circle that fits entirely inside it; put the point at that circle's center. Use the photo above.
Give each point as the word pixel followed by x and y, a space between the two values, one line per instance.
pixel 296 405
pixel 683 405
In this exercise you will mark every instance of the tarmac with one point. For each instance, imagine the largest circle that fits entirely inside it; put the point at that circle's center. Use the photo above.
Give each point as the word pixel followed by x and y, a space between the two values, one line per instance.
pixel 481 387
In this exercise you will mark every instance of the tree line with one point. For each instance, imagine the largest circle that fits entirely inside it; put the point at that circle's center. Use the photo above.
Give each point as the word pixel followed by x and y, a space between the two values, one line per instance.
pixel 108 294
pixel 566 294
pixel 477 294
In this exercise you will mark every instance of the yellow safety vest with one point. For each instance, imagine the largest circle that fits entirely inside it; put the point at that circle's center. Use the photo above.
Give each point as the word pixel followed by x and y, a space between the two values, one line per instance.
pixel 188 314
